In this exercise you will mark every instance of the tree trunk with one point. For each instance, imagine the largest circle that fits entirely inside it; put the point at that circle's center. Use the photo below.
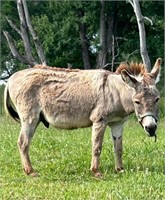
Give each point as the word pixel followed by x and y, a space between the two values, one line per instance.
pixel 15 51
pixel 107 21
pixel 102 56
pixel 24 31
pixel 36 40
pixel 110 25
pixel 111 46
pixel 84 41
pixel 25 26
pixel 142 35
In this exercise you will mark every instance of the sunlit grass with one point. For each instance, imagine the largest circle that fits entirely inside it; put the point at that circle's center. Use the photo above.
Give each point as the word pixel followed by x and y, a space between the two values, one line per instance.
pixel 63 160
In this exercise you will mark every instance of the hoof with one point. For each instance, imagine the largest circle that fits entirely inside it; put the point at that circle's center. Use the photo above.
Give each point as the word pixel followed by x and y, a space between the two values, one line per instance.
pixel 34 174
pixel 98 175
pixel 31 173
pixel 119 169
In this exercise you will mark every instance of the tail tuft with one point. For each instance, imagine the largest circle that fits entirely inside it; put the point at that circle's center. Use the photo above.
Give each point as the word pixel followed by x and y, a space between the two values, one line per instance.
pixel 8 105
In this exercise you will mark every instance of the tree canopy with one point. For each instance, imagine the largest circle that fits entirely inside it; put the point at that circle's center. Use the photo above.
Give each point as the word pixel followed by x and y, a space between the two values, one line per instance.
pixel 75 32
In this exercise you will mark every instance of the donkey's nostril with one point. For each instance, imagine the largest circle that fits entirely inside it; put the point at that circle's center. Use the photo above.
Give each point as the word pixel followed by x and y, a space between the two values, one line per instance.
pixel 151 129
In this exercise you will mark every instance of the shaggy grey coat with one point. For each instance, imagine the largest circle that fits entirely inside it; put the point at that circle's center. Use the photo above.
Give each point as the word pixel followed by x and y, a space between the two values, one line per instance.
pixel 70 99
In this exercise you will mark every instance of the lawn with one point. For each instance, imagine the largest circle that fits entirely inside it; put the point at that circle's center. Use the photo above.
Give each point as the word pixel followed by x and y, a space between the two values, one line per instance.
pixel 62 159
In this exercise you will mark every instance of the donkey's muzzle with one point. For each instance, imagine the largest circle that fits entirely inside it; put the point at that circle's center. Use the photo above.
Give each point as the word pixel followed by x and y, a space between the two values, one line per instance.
pixel 149 122
pixel 151 129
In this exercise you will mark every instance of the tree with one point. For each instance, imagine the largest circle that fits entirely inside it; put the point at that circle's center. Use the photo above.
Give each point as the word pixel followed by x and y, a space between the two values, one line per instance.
pixel 142 35
pixel 25 26
pixel 69 31
pixel 106 33
pixel 84 40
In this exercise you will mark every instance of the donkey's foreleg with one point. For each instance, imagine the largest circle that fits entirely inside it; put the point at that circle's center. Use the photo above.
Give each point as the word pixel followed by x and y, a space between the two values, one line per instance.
pixel 98 130
pixel 26 134
pixel 117 141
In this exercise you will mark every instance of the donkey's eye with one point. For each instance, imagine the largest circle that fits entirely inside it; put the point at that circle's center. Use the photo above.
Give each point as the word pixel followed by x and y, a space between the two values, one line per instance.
pixel 157 99
pixel 137 102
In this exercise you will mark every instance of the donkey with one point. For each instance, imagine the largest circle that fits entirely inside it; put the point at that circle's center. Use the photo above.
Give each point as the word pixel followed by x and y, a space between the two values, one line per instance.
pixel 73 98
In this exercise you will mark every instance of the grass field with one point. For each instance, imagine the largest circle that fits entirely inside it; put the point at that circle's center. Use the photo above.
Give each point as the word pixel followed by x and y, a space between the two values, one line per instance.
pixel 63 161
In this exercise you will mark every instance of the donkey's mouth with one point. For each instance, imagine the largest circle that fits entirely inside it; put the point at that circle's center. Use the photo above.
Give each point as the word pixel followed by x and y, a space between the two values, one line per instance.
pixel 151 132
pixel 152 135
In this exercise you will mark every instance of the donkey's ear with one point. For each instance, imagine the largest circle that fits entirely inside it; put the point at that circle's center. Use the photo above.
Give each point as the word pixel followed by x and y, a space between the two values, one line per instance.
pixel 155 72
pixel 128 78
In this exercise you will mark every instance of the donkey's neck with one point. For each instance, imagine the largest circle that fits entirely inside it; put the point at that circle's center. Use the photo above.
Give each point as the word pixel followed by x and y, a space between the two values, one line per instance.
pixel 126 98
pixel 122 94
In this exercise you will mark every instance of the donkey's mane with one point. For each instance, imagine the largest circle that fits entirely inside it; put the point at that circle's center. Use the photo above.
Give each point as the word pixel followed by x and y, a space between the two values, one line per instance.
pixel 135 69
pixel 55 68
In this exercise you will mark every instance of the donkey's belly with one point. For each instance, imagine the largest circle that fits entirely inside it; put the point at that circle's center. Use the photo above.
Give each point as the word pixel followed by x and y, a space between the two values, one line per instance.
pixel 64 122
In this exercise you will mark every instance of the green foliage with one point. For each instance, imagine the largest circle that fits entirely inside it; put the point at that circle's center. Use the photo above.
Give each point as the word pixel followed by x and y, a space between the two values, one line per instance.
pixel 162 107
pixel 1 99
pixel 57 25
pixel 63 160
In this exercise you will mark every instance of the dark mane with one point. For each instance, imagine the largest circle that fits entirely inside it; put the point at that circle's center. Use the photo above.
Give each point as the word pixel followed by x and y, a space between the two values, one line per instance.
pixel 55 68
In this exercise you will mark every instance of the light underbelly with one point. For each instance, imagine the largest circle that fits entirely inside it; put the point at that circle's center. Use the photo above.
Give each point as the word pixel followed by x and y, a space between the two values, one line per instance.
pixel 63 122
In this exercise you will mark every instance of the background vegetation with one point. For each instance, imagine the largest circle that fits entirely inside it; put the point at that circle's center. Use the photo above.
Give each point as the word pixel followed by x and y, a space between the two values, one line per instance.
pixel 57 23
pixel 63 160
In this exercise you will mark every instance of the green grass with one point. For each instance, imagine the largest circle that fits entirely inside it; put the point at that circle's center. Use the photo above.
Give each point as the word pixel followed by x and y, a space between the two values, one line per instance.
pixel 63 161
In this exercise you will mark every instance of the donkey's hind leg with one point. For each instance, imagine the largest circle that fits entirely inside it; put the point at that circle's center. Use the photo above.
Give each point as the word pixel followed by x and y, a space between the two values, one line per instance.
pixel 25 137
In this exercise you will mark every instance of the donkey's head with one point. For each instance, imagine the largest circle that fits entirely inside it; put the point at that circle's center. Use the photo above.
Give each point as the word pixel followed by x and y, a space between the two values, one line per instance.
pixel 146 96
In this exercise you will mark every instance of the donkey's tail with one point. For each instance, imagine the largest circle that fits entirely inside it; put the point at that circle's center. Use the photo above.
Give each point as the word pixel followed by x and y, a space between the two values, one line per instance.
pixel 8 105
